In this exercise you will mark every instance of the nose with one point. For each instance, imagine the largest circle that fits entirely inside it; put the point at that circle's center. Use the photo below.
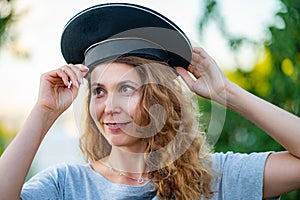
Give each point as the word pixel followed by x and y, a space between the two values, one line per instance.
pixel 112 105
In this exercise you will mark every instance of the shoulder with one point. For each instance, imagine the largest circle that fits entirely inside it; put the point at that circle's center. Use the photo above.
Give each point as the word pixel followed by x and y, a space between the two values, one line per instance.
pixel 230 159
pixel 64 168
pixel 61 173
pixel 69 172
pixel 57 181
pixel 239 175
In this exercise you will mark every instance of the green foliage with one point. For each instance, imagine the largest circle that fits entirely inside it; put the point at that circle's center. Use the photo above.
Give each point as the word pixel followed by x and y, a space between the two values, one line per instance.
pixel 8 35
pixel 274 78
pixel 5 137
pixel 6 18
pixel 2 146
pixel 285 48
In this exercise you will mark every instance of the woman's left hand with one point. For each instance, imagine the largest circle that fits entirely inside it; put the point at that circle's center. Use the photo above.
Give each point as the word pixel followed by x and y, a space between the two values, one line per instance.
pixel 281 172
pixel 205 77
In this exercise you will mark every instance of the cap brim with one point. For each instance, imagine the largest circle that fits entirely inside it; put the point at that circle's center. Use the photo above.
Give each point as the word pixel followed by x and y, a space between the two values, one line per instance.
pixel 122 20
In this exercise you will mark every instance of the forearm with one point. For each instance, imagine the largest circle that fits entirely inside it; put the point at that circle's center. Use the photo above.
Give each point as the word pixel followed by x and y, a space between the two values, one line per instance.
pixel 283 126
pixel 17 158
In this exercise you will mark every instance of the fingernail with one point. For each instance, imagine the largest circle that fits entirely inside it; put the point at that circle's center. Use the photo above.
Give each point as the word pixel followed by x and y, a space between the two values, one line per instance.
pixel 76 84
pixel 85 67
pixel 69 85
pixel 82 81
pixel 82 66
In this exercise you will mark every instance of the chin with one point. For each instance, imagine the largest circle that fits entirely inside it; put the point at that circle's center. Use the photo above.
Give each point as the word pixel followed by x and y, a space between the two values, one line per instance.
pixel 127 142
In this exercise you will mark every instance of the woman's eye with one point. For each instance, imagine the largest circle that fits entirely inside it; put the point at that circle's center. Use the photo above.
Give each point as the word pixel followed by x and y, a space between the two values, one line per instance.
pixel 99 92
pixel 127 90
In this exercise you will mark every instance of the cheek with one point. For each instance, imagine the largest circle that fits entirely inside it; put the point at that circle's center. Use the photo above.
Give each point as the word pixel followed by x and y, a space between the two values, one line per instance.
pixel 95 111
pixel 132 105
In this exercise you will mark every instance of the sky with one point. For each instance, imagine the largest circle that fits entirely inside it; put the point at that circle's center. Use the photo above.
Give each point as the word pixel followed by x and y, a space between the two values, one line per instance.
pixel 39 31
pixel 40 28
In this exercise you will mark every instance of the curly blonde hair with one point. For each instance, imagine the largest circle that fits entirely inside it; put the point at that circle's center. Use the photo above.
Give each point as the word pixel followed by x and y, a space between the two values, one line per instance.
pixel 183 169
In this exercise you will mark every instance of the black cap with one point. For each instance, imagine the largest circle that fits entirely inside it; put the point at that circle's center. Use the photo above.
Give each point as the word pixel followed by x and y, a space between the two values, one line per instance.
pixel 106 31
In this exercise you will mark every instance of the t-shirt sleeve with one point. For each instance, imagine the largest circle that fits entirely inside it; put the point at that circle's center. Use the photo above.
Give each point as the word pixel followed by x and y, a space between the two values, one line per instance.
pixel 45 185
pixel 239 176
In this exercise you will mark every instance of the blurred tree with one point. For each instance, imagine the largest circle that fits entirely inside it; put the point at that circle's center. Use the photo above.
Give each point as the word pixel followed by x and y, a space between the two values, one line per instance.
pixel 5 137
pixel 8 38
pixel 7 17
pixel 275 76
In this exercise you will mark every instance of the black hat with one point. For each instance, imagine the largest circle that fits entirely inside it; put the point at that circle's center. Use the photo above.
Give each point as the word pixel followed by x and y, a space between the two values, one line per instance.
pixel 107 31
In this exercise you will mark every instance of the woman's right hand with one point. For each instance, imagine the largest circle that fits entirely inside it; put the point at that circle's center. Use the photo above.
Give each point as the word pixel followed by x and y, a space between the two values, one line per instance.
pixel 205 78
pixel 56 93
pixel 54 98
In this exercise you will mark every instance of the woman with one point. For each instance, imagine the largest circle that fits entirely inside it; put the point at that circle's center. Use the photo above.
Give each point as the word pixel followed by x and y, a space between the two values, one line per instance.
pixel 128 103
pixel 142 137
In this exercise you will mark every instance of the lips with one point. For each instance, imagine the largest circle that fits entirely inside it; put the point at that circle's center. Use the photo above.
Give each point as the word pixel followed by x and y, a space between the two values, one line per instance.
pixel 115 125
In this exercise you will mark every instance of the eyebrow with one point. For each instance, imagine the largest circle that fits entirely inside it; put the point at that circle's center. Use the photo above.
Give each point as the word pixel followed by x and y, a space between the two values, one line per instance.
pixel 97 84
pixel 120 83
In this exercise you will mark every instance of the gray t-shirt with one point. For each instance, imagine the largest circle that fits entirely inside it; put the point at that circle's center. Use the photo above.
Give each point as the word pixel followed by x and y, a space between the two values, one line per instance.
pixel 238 176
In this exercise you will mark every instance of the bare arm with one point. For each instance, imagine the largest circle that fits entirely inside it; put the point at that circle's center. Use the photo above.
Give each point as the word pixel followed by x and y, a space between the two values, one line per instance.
pixel 282 172
pixel 282 169
pixel 17 158
pixel 283 126
pixel 54 98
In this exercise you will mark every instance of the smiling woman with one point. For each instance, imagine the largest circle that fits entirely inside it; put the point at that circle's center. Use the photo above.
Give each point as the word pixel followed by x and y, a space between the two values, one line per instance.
pixel 113 102
pixel 142 136
pixel 137 135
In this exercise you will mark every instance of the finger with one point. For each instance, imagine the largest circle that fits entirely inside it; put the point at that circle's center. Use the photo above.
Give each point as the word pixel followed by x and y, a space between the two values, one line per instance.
pixel 83 68
pixel 196 49
pixel 200 51
pixel 80 70
pixel 61 73
pixel 195 58
pixel 70 74
pixel 195 71
pixel 78 75
pixel 73 75
pixel 186 76
pixel 204 54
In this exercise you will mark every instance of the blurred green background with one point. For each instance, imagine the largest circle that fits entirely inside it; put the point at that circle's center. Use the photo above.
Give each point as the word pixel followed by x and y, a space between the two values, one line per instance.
pixel 274 75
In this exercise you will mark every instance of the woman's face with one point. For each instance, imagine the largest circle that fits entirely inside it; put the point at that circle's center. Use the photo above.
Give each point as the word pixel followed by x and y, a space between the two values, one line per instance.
pixel 115 94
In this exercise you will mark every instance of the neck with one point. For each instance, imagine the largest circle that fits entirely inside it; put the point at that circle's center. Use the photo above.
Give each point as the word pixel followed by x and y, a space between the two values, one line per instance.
pixel 126 161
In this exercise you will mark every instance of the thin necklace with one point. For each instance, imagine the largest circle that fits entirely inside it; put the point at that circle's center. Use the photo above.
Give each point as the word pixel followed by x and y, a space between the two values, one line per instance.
pixel 140 179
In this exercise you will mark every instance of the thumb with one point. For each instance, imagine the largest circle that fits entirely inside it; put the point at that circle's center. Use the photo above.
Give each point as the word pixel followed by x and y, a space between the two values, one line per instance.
pixel 186 76
pixel 84 69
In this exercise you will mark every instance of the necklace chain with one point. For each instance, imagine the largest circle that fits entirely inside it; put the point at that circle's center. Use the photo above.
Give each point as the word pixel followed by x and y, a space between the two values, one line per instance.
pixel 140 179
